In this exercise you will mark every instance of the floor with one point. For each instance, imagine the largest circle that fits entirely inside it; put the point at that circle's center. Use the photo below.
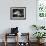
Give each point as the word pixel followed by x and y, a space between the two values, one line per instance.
pixel 13 44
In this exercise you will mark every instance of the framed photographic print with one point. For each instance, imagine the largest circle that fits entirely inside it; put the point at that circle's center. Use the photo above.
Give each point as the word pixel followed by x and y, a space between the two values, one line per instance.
pixel 18 13
pixel 41 12
pixel 41 8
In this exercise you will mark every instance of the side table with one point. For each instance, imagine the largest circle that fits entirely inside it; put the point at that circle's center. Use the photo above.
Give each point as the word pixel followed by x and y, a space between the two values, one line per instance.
pixel 8 34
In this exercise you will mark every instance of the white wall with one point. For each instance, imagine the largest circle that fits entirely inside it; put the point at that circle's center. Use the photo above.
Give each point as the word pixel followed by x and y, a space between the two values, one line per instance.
pixel 24 25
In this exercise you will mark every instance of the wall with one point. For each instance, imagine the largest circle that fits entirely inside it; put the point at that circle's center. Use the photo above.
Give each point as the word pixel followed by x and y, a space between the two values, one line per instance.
pixel 24 25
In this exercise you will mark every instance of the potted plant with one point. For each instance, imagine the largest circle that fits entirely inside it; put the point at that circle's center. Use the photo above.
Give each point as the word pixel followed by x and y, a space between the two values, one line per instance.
pixel 38 27
pixel 39 35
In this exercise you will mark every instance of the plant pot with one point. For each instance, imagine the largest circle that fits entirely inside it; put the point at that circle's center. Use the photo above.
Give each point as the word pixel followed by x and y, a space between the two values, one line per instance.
pixel 40 41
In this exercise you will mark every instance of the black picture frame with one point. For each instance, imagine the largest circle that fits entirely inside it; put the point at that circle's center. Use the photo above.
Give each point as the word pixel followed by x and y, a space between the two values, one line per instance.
pixel 18 13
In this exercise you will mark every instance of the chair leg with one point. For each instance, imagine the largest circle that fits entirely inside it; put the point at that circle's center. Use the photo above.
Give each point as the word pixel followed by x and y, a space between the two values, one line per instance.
pixel 5 43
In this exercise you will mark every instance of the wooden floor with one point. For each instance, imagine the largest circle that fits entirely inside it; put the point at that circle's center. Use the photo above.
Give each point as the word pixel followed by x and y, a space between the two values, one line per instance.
pixel 13 44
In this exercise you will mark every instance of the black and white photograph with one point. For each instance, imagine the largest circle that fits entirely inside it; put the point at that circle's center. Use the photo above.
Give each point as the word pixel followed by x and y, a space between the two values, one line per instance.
pixel 18 13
